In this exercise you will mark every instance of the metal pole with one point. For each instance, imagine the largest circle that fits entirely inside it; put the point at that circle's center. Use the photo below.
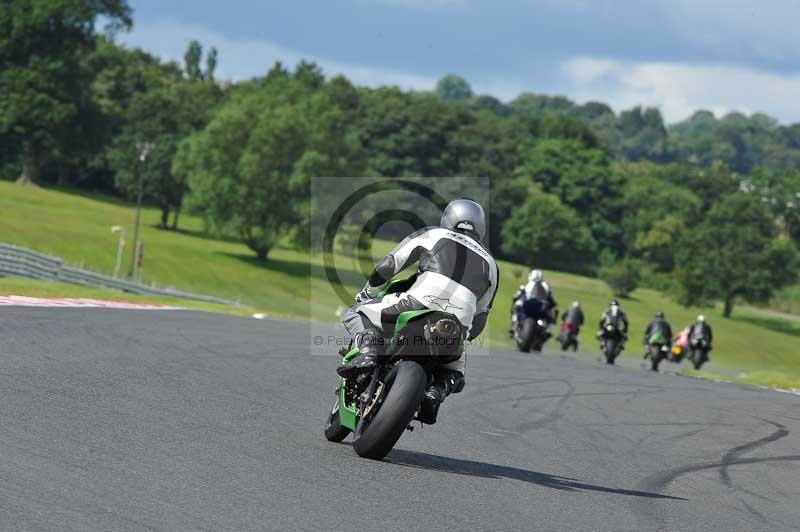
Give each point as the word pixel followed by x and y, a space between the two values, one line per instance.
pixel 144 149
pixel 120 248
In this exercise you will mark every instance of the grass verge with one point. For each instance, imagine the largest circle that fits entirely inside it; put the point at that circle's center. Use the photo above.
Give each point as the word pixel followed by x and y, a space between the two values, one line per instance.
pixel 294 284
pixel 788 381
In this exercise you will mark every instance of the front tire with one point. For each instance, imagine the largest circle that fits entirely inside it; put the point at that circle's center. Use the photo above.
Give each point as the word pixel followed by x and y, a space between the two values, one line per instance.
pixel 698 359
pixel 611 351
pixel 525 335
pixel 374 438
pixel 334 431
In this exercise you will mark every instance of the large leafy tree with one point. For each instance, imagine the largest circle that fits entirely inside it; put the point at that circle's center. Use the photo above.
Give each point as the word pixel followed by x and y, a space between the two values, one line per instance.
pixel 581 178
pixel 43 75
pixel 543 232
pixel 656 212
pixel 167 108
pixel 249 168
pixel 781 192
pixel 735 253
pixel 453 88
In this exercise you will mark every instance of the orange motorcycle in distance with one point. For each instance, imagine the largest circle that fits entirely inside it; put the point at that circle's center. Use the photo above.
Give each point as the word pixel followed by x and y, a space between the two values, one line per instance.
pixel 680 347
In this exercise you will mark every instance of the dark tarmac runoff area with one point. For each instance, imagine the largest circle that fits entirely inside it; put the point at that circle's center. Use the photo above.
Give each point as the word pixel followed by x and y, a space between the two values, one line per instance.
pixel 151 420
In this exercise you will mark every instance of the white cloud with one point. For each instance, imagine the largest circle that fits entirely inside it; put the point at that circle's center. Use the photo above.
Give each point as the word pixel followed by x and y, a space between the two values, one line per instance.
pixel 681 88
pixel 246 58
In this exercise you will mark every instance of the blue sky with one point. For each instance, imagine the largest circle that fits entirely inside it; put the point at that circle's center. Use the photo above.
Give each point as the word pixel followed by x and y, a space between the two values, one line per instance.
pixel 680 55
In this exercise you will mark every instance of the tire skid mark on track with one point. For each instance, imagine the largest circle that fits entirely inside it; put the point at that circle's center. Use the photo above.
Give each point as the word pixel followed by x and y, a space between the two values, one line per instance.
pixel 758 515
pixel 732 454
pixel 730 457
pixel 554 415
pixel 661 480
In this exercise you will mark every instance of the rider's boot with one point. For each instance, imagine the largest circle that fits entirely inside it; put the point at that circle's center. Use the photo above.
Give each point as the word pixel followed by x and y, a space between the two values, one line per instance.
pixel 367 358
pixel 445 382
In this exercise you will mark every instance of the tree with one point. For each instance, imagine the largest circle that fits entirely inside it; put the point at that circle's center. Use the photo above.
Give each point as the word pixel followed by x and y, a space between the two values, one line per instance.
pixel 191 60
pixel 649 200
pixel 622 277
pixel 642 135
pixel 249 168
pixel 154 118
pixel 211 65
pixel 43 77
pixel 658 245
pixel 546 233
pixel 581 178
pixel 532 104
pixel 163 114
pixel 734 253
pixel 781 193
pixel 452 88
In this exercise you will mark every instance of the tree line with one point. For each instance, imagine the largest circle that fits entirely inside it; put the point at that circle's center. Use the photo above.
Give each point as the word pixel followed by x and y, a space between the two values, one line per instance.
pixel 706 208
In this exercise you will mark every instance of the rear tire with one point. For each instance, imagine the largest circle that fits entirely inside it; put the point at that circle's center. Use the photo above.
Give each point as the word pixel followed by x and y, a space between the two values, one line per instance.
pixel 655 358
pixel 334 431
pixel 376 437
pixel 525 335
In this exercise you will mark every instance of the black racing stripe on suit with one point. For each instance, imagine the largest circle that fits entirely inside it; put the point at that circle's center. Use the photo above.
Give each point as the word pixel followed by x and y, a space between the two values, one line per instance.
pixel 459 263
pixel 383 271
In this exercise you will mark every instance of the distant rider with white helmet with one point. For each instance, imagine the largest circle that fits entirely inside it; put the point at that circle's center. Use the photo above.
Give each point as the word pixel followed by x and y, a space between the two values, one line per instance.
pixel 535 288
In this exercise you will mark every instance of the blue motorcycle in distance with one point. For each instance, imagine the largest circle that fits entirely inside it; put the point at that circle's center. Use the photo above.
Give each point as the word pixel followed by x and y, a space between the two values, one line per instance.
pixel 531 324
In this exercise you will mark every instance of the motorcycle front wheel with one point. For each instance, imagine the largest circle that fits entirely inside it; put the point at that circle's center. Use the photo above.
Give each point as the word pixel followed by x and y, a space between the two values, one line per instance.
pixel 611 351
pixel 403 390
pixel 525 335
pixel 334 431
pixel 698 359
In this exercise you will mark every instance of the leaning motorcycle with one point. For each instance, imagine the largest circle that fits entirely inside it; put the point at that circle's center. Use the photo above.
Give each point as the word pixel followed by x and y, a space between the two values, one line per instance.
pixel 531 326
pixel 612 342
pixel 378 407
pixel 657 350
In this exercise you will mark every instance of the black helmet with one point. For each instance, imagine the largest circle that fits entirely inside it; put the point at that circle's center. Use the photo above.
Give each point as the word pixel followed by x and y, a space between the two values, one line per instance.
pixel 613 303
pixel 659 315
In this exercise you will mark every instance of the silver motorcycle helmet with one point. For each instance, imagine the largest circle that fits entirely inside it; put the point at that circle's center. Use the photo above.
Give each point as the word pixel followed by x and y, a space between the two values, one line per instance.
pixel 464 215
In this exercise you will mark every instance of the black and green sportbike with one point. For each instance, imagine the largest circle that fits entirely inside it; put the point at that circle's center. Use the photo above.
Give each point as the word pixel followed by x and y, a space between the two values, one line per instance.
pixel 378 407
pixel 657 349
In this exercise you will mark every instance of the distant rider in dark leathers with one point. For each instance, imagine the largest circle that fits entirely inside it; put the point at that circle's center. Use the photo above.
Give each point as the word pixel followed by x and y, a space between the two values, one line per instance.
pixel 701 330
pixel 455 274
pixel 659 324
pixel 613 315
pixel 574 315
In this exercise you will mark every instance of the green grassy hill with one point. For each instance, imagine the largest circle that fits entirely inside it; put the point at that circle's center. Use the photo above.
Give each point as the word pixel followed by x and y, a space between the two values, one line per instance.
pixel 77 229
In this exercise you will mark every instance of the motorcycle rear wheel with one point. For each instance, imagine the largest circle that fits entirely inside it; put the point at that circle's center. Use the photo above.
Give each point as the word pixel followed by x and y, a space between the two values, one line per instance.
pixel 655 358
pixel 375 437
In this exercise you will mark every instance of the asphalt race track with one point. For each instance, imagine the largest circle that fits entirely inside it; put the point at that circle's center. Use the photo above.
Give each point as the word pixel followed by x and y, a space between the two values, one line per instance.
pixel 175 420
